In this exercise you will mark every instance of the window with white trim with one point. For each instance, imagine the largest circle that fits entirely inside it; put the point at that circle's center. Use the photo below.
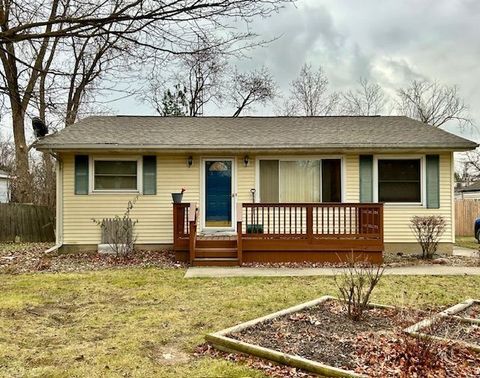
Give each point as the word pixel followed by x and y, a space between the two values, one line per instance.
pixel 116 175
pixel 300 180
pixel 399 180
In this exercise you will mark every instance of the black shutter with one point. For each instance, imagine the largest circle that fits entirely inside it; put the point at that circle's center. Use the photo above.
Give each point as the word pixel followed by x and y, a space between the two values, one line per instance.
pixel 81 174
pixel 150 175
pixel 366 178
pixel 433 181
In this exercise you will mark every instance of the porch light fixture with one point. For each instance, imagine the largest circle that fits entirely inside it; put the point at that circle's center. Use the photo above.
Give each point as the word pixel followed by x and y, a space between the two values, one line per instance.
pixel 189 161
pixel 246 160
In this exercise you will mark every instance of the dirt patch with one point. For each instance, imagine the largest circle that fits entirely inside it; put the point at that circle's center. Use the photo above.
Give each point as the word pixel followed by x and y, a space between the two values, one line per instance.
pixel 165 354
pixel 325 334
pixel 28 258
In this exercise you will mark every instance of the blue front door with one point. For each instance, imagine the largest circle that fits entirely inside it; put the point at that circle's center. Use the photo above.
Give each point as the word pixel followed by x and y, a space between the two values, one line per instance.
pixel 218 193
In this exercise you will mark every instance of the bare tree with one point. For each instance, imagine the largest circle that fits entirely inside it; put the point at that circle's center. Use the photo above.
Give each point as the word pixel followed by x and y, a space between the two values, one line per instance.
pixel 28 29
pixel 7 155
pixel 257 86
pixel 309 93
pixel 203 77
pixel 201 74
pixel 286 107
pixel 432 103
pixel 469 167
pixel 367 100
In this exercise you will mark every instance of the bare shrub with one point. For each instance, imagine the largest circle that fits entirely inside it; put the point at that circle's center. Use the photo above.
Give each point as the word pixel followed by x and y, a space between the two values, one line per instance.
pixel 355 285
pixel 119 231
pixel 422 353
pixel 428 231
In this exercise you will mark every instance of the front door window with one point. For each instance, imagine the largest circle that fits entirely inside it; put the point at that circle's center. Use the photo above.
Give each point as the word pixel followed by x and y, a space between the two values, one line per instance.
pixel 218 193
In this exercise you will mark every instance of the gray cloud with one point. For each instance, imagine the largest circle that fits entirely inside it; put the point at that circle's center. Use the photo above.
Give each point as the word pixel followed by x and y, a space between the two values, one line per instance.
pixel 391 42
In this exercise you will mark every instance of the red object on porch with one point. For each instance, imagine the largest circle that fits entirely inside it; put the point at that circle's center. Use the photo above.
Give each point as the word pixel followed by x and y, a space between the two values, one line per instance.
pixel 284 232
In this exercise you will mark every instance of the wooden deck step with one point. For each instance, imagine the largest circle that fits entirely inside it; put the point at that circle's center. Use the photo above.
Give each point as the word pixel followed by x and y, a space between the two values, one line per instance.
pixel 215 262
pixel 216 243
pixel 216 252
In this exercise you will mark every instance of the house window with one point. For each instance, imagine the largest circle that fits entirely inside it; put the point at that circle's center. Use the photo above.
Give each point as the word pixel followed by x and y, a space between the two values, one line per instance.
pixel 399 180
pixel 300 180
pixel 119 175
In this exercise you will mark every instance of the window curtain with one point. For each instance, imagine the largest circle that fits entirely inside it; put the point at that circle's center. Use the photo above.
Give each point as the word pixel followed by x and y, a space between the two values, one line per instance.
pixel 300 181
pixel 269 181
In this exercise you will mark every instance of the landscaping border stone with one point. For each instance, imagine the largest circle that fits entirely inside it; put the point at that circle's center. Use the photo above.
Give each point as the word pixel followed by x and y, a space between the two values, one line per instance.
pixel 451 312
pixel 221 341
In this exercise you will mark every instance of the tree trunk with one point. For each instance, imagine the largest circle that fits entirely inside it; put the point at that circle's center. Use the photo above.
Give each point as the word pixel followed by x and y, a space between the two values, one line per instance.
pixel 23 182
pixel 49 180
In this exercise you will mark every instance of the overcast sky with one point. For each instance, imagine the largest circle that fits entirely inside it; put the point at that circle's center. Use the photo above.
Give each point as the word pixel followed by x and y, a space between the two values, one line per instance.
pixel 390 42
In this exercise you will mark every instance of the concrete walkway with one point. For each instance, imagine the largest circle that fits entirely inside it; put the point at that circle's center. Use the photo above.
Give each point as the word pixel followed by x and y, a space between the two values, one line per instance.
pixel 462 251
pixel 419 270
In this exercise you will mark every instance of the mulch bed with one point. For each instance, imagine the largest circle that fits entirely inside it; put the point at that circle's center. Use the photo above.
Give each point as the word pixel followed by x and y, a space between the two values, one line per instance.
pixel 375 345
pixel 448 260
pixel 456 330
pixel 389 261
pixel 29 258
pixel 472 312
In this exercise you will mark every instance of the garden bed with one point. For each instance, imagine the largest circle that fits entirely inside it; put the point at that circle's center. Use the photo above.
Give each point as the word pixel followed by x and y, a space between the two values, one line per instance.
pixel 456 329
pixel 458 324
pixel 471 312
pixel 320 333
pixel 18 258
pixel 319 337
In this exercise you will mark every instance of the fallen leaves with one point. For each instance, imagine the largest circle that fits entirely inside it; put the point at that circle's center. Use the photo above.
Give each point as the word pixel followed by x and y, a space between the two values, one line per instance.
pixel 375 346
pixel 31 257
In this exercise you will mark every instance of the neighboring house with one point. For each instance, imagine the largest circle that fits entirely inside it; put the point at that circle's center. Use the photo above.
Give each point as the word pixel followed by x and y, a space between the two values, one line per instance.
pixel 4 187
pixel 323 186
pixel 471 191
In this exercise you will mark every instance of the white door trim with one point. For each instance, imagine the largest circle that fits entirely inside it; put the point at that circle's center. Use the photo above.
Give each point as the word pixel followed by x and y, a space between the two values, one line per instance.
pixel 232 228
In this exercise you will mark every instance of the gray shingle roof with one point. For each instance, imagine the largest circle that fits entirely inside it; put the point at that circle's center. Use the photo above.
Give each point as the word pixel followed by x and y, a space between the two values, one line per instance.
pixel 337 132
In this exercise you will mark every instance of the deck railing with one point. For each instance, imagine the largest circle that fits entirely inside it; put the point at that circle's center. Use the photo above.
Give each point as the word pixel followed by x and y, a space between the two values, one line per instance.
pixel 185 217
pixel 292 229
pixel 311 220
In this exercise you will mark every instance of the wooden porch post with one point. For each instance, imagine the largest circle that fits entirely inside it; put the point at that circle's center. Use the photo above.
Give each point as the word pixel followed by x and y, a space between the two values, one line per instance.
pixel 239 233
pixel 309 223
pixel 380 210
pixel 192 222
pixel 175 227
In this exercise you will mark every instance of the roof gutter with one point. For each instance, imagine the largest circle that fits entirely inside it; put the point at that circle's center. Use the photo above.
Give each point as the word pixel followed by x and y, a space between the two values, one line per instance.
pixel 200 148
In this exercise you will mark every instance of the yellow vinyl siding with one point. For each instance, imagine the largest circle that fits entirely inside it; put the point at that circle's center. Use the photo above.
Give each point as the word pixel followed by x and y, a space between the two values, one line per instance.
pixel 351 178
pixel 245 179
pixel 154 212
pixel 397 217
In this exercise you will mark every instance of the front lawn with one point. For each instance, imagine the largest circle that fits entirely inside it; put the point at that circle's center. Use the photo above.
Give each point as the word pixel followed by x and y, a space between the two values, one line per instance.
pixel 147 322
pixel 466 242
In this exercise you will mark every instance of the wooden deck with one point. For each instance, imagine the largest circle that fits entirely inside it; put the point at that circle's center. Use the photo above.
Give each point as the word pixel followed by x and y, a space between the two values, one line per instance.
pixel 284 232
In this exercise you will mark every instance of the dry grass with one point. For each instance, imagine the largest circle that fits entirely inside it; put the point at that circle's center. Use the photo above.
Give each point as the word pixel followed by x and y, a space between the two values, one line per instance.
pixel 147 322
pixel 467 242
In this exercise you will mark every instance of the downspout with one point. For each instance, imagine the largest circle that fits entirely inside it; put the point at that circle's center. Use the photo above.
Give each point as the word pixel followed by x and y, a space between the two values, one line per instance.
pixel 59 204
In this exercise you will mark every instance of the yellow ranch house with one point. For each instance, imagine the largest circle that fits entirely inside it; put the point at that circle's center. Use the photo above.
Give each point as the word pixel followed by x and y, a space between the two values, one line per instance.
pixel 257 189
